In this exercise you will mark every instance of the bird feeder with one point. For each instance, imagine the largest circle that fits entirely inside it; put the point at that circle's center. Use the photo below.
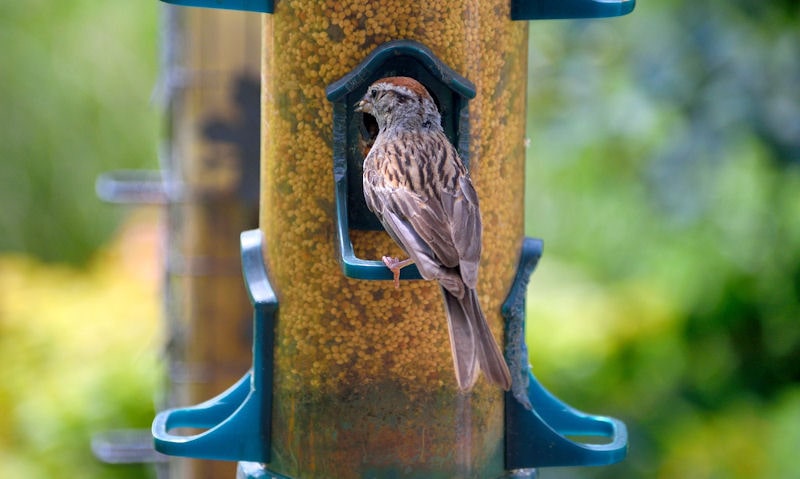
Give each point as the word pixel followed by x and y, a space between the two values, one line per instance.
pixel 351 377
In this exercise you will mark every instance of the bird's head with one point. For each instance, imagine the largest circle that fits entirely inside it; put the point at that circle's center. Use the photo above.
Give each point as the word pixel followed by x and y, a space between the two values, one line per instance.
pixel 400 102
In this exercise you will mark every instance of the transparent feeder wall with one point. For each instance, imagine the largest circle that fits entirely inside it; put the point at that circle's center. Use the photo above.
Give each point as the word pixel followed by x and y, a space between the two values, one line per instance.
pixel 354 378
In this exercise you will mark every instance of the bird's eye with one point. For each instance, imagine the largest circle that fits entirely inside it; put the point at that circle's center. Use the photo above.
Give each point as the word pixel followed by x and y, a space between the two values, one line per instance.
pixel 373 93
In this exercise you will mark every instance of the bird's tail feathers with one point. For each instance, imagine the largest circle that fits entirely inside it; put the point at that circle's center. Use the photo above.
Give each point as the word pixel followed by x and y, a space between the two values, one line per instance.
pixel 462 342
pixel 472 343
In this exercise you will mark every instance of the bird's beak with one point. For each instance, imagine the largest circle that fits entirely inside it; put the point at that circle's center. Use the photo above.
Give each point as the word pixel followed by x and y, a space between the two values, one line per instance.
pixel 360 105
pixel 364 105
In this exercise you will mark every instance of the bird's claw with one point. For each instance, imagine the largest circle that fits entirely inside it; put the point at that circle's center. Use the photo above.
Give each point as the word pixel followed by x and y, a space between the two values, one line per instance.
pixel 395 265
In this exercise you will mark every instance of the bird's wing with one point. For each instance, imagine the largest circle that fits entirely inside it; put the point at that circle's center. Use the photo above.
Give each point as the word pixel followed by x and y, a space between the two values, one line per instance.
pixel 430 221
pixel 461 208
pixel 439 233
pixel 393 206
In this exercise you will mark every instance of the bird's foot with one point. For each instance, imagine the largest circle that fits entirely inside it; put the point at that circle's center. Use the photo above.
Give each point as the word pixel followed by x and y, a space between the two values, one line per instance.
pixel 395 265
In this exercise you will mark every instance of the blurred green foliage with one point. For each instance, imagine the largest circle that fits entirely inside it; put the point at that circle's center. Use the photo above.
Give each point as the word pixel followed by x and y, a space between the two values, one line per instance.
pixel 78 348
pixel 663 175
pixel 77 352
pixel 75 96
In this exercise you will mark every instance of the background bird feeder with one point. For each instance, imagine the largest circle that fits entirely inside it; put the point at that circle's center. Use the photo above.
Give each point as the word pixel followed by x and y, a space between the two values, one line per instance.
pixel 352 378
pixel 209 90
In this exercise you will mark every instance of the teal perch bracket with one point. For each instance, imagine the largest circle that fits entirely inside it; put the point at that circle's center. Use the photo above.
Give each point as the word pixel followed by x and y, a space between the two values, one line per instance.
pixel 564 9
pixel 237 423
pixel 538 425
pixel 261 6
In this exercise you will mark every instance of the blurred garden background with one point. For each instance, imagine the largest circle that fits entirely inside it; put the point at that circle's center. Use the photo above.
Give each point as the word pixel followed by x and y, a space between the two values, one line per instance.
pixel 663 174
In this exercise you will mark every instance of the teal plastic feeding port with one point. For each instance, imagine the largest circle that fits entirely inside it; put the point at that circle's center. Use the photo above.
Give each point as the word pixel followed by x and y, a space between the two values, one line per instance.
pixel 451 92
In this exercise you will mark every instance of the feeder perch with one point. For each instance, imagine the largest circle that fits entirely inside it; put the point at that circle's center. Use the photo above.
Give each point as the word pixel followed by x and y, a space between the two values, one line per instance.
pixel 237 422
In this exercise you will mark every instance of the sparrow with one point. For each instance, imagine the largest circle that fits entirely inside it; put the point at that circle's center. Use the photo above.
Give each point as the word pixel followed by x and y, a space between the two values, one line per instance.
pixel 418 187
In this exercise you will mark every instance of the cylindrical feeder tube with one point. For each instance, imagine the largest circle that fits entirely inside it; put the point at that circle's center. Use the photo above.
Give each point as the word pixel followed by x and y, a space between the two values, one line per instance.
pixel 363 381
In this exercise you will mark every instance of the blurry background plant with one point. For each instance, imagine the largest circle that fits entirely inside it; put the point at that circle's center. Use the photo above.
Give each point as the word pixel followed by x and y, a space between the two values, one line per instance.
pixel 79 314
pixel 664 177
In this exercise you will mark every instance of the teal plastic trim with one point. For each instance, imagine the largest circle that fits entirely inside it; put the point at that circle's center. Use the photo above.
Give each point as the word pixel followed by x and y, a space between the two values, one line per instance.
pixel 538 424
pixel 449 89
pixel 520 9
pixel 237 423
pixel 540 437
pixel 262 6
pixel 563 9
pixel 352 266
